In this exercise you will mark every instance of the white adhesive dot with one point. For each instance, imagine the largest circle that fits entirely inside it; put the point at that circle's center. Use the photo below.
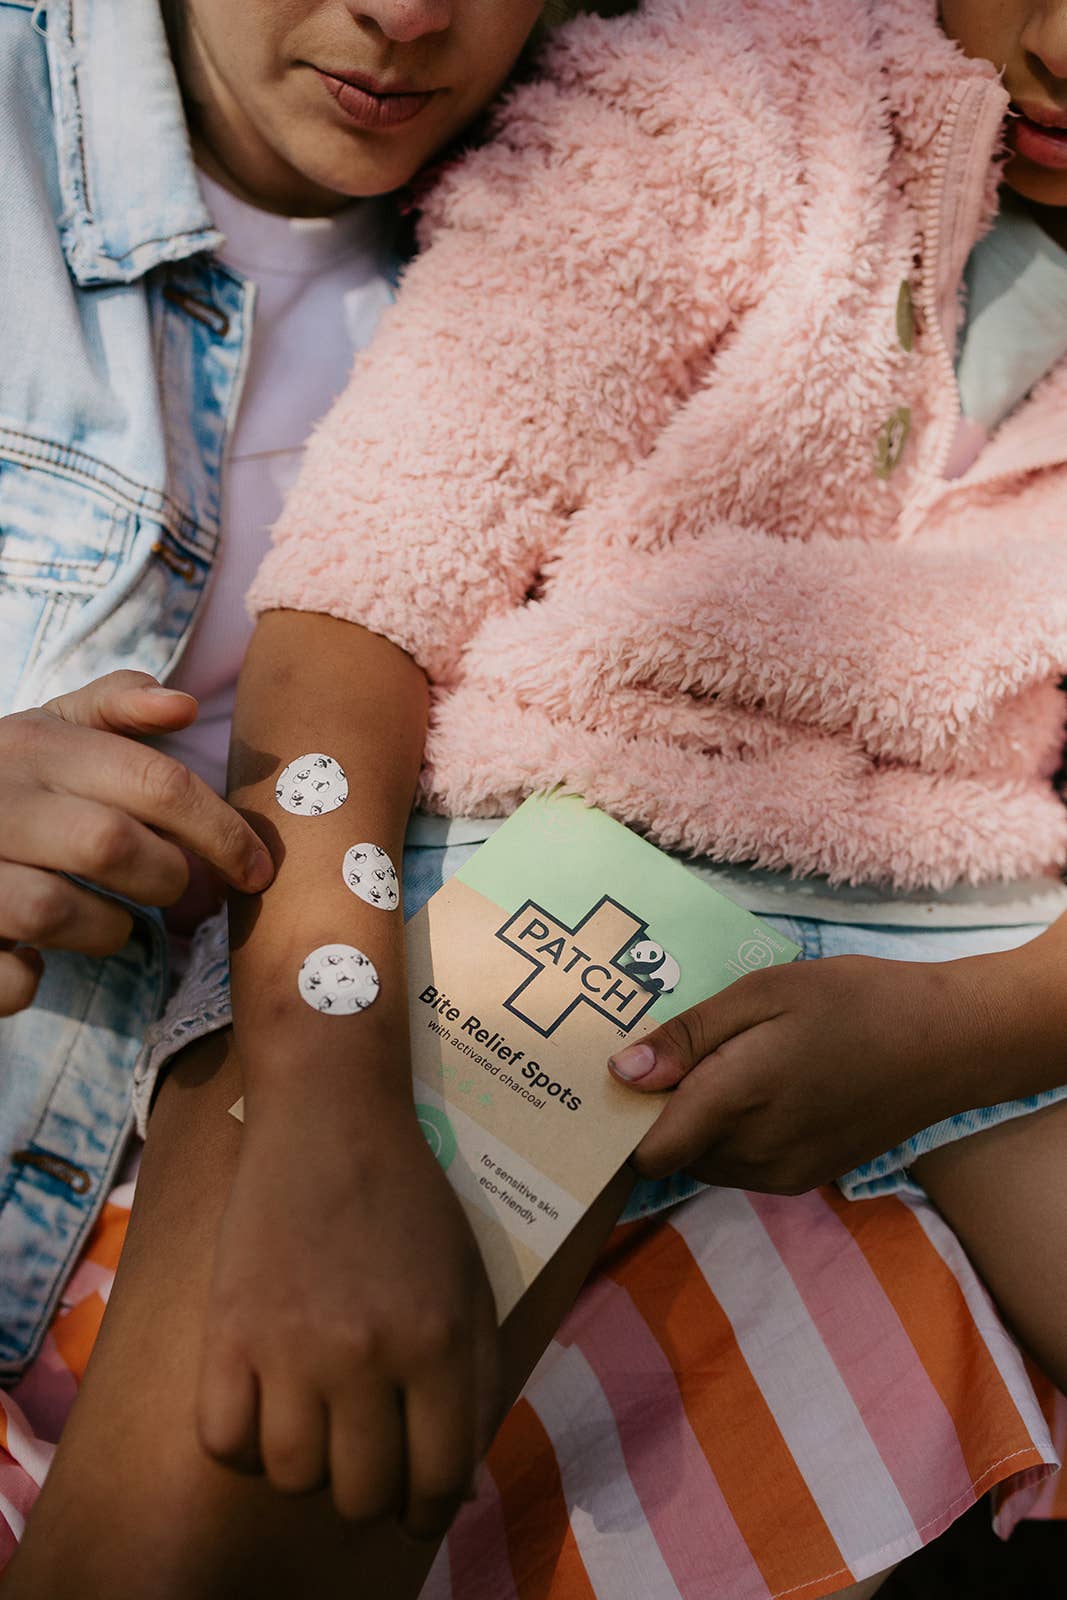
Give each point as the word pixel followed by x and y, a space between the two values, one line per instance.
pixel 338 979
pixel 369 873
pixel 311 786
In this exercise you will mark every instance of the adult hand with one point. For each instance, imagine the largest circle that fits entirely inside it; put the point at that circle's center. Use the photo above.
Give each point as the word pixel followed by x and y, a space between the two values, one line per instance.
pixel 796 1074
pixel 80 795
pixel 351 1334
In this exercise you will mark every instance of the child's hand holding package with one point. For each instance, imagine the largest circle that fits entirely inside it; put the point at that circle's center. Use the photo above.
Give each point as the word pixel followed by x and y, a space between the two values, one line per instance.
pixel 797 1074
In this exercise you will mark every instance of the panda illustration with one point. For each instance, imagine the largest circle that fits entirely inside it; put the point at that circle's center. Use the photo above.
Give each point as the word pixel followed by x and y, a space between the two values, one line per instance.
pixel 654 968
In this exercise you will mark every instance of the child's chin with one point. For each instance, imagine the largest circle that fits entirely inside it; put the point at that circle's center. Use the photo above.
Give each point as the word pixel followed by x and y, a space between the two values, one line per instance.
pixel 1040 185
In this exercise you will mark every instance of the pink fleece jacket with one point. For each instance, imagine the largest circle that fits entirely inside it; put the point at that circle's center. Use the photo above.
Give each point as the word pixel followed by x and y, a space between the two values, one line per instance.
pixel 646 466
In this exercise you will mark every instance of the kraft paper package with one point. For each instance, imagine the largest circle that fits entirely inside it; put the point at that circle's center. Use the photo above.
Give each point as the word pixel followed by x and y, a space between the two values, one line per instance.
pixel 563 938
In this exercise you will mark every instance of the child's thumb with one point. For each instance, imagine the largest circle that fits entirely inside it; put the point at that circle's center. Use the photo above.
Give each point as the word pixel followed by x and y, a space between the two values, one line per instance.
pixel 663 1058
pixel 125 702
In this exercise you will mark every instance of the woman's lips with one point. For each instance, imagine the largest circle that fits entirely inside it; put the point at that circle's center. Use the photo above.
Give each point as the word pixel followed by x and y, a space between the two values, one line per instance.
pixel 1037 138
pixel 374 109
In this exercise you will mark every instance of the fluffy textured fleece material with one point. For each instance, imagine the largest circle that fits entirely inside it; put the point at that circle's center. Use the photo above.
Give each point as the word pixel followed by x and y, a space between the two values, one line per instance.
pixel 646 472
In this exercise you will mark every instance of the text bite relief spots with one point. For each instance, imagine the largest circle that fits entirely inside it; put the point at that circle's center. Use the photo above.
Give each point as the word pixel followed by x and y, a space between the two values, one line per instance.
pixel 369 873
pixel 311 786
pixel 338 979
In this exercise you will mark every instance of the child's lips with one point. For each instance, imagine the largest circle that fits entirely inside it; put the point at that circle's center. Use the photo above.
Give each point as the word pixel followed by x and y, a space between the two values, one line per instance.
pixel 1039 134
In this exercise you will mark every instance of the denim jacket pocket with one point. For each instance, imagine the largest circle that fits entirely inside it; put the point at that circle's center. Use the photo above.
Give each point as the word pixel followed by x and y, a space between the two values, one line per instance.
pixel 61 543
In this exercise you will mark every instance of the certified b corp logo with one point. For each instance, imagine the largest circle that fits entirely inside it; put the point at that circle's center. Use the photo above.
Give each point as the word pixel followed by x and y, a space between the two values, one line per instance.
pixel 754 953
pixel 576 966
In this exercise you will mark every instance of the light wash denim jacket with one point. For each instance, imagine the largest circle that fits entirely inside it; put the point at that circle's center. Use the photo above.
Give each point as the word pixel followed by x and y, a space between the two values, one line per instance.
pixel 122 353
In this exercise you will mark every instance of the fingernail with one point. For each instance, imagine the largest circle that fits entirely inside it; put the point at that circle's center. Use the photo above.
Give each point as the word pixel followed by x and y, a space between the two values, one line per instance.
pixel 633 1063
pixel 260 869
pixel 160 693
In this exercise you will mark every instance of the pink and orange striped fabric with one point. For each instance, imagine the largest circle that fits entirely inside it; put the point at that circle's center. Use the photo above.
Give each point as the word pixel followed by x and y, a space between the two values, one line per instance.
pixel 776 1396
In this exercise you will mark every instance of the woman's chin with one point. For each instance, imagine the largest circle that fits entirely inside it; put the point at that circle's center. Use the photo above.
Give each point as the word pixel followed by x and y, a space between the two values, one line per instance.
pixel 362 178
pixel 358 164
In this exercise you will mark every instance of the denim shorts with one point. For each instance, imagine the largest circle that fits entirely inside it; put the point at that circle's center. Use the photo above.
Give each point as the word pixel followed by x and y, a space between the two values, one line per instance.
pixel 201 1005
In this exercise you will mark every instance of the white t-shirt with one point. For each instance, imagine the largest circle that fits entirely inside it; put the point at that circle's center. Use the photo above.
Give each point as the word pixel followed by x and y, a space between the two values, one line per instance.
pixel 321 285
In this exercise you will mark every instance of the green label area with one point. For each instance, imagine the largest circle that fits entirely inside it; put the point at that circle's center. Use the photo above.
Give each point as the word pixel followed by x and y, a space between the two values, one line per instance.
pixel 438 1133
pixel 557 860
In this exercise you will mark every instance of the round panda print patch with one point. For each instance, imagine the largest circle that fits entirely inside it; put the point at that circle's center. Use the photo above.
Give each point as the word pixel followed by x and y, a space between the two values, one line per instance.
pixel 369 873
pixel 311 786
pixel 339 979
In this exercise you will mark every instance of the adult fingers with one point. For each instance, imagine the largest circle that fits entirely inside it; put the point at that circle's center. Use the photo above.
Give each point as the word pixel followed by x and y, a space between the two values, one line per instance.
pixel 100 843
pixel 366 1450
pixel 20 973
pixel 125 702
pixel 153 787
pixel 664 1057
pixel 40 908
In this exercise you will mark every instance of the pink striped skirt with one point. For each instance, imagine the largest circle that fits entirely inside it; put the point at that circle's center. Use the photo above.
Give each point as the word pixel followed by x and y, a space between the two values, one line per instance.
pixel 777 1395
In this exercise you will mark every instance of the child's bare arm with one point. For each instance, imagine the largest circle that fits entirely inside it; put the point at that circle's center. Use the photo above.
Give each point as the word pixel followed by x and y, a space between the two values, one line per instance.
pixel 351 1333
pixel 1004 1192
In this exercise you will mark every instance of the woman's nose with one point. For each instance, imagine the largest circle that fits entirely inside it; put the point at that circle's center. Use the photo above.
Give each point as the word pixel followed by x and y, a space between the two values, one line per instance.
pixel 404 20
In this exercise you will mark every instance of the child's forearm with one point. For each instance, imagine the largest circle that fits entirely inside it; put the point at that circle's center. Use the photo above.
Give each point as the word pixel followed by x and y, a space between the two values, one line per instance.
pixel 350 1326
pixel 313 684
